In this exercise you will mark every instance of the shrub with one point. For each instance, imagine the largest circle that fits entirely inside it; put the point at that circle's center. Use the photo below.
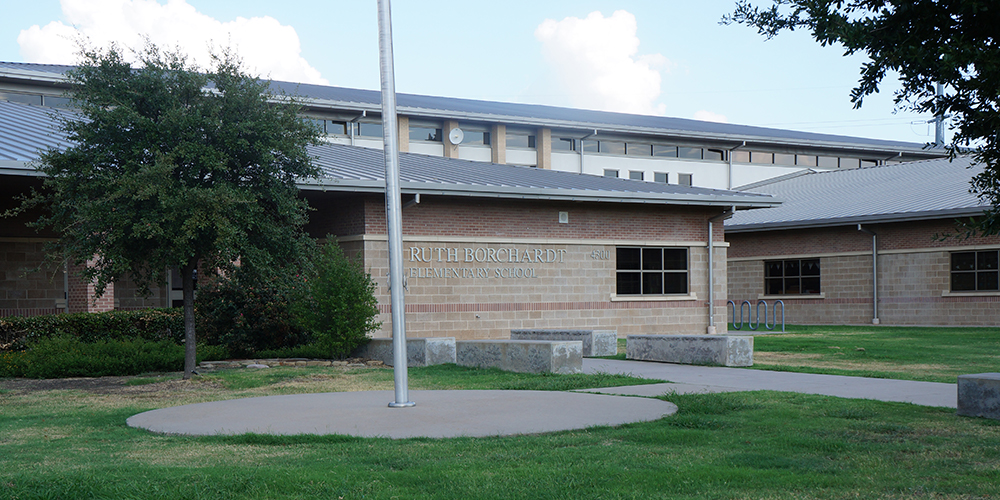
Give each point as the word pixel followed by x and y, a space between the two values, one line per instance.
pixel 148 324
pixel 68 356
pixel 340 308
pixel 248 311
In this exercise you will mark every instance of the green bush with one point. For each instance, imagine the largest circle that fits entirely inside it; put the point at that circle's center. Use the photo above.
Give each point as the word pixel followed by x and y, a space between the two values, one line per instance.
pixel 67 356
pixel 148 324
pixel 340 308
pixel 247 311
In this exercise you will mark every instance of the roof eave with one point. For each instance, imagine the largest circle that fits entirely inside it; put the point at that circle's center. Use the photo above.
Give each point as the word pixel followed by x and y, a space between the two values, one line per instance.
pixel 861 219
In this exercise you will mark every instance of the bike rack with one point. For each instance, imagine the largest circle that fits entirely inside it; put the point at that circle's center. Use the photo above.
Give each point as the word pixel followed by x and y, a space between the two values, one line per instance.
pixel 753 315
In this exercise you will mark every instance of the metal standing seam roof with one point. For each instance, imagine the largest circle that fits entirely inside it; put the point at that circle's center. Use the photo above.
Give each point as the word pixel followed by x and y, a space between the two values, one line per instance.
pixel 542 115
pixel 26 131
pixel 925 189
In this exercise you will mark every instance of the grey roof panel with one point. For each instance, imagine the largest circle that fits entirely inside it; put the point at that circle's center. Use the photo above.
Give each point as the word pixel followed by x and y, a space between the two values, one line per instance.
pixel 27 130
pixel 906 191
pixel 556 116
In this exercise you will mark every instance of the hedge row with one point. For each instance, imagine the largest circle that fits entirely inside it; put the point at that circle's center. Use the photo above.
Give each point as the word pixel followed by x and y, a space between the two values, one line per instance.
pixel 147 324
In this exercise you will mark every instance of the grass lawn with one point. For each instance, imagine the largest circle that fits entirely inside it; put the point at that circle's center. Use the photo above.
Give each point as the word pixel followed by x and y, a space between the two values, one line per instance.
pixel 73 443
pixel 930 354
pixel 907 353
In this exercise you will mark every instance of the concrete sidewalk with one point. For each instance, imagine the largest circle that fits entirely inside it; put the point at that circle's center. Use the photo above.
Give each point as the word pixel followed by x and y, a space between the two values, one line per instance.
pixel 696 379
pixel 491 413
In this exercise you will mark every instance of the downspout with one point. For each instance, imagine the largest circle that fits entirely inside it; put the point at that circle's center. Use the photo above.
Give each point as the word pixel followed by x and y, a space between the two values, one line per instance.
pixel 351 123
pixel 729 176
pixel 711 267
pixel 875 319
pixel 588 136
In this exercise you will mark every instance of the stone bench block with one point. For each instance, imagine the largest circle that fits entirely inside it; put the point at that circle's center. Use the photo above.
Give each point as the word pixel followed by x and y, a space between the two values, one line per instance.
pixel 979 395
pixel 719 350
pixel 420 351
pixel 595 342
pixel 526 356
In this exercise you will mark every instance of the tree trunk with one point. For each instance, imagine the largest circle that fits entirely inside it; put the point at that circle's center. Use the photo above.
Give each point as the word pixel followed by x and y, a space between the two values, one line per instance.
pixel 187 278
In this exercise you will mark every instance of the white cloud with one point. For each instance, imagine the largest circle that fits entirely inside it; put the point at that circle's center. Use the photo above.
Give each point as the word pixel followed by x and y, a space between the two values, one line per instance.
pixel 266 46
pixel 708 116
pixel 595 60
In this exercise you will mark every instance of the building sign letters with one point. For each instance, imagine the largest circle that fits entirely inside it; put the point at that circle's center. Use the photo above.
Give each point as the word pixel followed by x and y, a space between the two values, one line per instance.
pixel 497 261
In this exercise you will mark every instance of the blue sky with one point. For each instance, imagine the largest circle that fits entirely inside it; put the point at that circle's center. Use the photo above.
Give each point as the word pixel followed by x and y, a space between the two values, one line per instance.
pixel 685 64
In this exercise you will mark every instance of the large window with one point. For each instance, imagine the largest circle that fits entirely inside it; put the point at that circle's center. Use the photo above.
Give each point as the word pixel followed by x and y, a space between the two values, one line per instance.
pixel 975 271
pixel 791 277
pixel 652 271
pixel 429 134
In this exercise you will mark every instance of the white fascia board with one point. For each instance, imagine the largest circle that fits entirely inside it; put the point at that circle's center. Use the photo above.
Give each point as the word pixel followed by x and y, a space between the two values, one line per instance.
pixel 860 219
pixel 378 186
pixel 19 168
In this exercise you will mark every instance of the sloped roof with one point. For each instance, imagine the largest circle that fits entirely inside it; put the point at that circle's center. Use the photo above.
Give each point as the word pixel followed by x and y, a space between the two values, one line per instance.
pixel 926 189
pixel 540 115
pixel 26 131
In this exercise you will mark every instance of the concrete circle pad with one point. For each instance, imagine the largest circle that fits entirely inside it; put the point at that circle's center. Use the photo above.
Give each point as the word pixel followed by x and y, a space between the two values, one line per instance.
pixel 437 414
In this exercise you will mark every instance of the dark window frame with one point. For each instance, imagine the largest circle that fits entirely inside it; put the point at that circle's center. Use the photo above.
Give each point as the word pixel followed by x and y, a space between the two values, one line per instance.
pixel 652 271
pixel 975 271
pixel 793 277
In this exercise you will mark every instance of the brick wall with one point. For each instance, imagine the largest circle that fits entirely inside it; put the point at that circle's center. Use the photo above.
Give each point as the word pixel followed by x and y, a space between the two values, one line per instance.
pixel 464 281
pixel 914 274
pixel 28 294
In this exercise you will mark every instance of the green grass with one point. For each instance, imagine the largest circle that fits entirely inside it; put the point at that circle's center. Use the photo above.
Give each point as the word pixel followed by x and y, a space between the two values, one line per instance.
pixel 909 353
pixel 72 444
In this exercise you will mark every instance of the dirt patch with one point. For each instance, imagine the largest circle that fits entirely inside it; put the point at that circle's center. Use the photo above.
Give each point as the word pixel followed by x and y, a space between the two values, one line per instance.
pixel 95 385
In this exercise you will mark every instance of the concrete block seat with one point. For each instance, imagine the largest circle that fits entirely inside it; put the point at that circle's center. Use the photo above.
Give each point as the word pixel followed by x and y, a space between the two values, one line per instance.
pixel 595 342
pixel 526 356
pixel 420 351
pixel 979 395
pixel 719 350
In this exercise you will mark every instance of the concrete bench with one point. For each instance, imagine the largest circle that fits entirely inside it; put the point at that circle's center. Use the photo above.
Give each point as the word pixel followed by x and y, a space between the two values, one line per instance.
pixel 595 342
pixel 719 350
pixel 979 395
pixel 420 351
pixel 526 356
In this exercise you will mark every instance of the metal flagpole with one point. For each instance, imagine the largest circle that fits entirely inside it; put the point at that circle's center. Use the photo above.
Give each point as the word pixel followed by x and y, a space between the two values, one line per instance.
pixel 393 205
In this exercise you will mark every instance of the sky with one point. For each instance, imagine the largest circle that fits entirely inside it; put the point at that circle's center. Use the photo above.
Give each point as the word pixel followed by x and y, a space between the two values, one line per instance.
pixel 656 57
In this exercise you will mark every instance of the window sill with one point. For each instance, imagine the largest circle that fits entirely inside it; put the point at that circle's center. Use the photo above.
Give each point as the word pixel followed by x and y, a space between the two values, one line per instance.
pixel 949 293
pixel 792 297
pixel 652 298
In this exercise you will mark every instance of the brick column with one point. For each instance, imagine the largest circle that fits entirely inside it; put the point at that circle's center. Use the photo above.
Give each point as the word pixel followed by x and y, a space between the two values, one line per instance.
pixel 450 150
pixel 403 126
pixel 543 148
pixel 498 144
pixel 83 298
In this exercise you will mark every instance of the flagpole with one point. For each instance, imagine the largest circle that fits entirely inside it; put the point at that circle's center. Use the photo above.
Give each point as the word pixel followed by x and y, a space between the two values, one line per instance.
pixel 393 206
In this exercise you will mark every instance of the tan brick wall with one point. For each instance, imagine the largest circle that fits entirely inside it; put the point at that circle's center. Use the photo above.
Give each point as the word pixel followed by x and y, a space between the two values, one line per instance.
pixel 478 299
pixel 913 274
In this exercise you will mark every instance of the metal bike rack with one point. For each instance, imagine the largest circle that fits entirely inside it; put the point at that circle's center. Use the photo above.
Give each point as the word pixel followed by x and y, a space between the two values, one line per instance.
pixel 752 318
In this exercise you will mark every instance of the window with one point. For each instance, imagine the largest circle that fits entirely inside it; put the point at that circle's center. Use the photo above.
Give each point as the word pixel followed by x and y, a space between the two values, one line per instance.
pixel 664 151
pixel 740 156
pixel 563 144
pixel 475 138
pixel 663 177
pixel 784 159
pixel 635 175
pixel 975 271
pixel 868 163
pixel 652 271
pixel 516 140
pixel 805 160
pixel 425 134
pixel 22 98
pixel 590 146
pixel 828 162
pixel 693 153
pixel 850 163
pixel 761 157
pixel 610 173
pixel 714 154
pixel 366 129
pixel 638 149
pixel 684 179
pixel 612 147
pixel 791 277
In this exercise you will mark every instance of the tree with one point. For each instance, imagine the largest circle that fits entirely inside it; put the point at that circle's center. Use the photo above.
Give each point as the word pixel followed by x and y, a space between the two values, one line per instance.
pixel 340 307
pixel 173 167
pixel 927 42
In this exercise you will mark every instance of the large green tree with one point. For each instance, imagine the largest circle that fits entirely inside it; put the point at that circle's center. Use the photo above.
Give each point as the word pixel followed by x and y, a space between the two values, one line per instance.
pixel 171 166
pixel 952 42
